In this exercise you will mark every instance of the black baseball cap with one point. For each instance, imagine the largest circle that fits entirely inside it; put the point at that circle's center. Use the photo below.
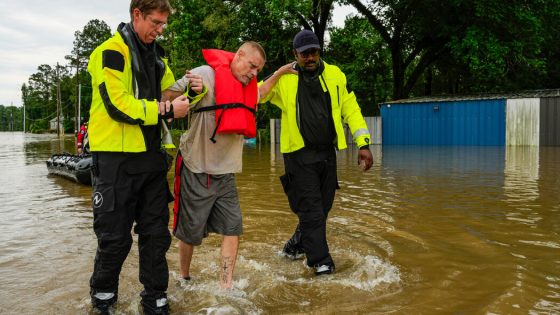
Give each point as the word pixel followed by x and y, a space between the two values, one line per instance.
pixel 304 40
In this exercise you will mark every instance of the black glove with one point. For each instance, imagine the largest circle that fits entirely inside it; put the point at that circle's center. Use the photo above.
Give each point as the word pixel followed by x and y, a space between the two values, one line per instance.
pixel 168 114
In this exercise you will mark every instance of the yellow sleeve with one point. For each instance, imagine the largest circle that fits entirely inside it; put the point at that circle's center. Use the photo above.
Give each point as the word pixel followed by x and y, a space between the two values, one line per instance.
pixel 114 88
pixel 274 96
pixel 352 115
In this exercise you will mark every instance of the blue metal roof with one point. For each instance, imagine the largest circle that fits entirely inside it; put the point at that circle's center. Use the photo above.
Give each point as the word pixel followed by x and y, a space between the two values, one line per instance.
pixel 486 96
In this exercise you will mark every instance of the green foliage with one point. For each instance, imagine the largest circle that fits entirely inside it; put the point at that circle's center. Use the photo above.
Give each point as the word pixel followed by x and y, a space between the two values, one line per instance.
pixel 40 94
pixel 11 118
pixel 501 48
pixel 69 125
pixel 263 135
pixel 94 33
pixel 390 49
pixel 265 112
pixel 365 59
pixel 186 34
pixel 466 45
pixel 226 25
pixel 39 126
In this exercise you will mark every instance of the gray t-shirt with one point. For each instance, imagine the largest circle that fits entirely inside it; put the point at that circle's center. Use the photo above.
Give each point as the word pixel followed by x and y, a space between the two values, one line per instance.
pixel 201 155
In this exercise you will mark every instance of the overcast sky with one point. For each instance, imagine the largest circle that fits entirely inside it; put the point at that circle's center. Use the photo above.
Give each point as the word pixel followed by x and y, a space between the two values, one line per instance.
pixel 36 32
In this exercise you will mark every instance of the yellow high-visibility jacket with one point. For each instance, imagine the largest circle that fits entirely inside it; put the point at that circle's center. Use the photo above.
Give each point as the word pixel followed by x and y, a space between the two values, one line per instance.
pixel 116 113
pixel 344 109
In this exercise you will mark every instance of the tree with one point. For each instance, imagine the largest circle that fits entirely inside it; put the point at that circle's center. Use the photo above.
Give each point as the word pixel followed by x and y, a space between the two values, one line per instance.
pixel 196 24
pixel 416 33
pixel 313 15
pixel 501 47
pixel 40 95
pixel 225 25
pixel 11 118
pixel 550 50
pixel 94 33
pixel 365 59
pixel 472 45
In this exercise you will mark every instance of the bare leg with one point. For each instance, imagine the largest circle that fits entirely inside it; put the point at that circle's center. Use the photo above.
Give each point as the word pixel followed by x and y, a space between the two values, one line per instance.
pixel 230 244
pixel 185 257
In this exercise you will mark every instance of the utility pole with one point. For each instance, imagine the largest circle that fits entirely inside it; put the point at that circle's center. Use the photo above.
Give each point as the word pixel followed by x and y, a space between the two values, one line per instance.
pixel 24 131
pixel 77 108
pixel 76 60
pixel 79 104
pixel 57 101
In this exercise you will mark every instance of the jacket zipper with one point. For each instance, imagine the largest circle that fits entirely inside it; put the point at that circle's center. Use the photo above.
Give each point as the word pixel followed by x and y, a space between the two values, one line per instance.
pixel 297 111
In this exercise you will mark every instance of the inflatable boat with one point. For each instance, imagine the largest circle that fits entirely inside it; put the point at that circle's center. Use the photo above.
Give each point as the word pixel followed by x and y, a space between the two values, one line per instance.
pixel 71 166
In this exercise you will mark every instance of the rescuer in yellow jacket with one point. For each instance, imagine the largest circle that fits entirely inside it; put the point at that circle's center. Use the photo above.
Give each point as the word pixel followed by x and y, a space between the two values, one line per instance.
pixel 315 101
pixel 129 73
pixel 343 103
pixel 121 111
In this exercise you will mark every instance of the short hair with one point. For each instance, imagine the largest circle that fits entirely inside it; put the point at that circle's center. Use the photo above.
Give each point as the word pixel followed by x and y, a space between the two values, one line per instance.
pixel 256 46
pixel 147 6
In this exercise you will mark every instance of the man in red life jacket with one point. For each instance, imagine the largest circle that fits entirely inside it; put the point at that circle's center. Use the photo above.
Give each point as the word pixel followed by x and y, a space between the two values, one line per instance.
pixel 81 137
pixel 210 152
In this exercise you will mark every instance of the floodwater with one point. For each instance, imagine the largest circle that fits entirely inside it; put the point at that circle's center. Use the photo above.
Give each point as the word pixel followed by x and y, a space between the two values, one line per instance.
pixel 428 230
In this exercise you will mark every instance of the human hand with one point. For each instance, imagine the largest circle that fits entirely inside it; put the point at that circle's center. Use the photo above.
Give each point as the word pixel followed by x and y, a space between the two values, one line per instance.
pixel 269 83
pixel 195 81
pixel 166 110
pixel 365 159
pixel 180 106
pixel 287 68
pixel 164 107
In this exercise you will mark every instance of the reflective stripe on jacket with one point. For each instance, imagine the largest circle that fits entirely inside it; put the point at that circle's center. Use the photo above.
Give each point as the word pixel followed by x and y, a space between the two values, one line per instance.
pixel 344 109
pixel 116 114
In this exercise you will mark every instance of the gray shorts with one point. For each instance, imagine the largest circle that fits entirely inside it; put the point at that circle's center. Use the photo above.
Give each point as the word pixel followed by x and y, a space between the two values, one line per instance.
pixel 209 204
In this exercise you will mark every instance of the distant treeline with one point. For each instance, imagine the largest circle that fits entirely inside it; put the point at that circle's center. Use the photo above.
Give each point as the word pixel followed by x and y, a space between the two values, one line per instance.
pixel 11 118
pixel 389 50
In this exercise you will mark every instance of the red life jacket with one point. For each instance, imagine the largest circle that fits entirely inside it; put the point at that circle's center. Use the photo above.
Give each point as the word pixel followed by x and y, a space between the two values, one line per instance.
pixel 235 103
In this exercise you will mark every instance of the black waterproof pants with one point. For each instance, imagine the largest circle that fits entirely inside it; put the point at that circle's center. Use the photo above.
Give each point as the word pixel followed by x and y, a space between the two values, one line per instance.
pixel 125 192
pixel 310 185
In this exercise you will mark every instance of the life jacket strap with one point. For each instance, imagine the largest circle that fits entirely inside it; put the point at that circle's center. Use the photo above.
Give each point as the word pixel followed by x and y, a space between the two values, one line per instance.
pixel 223 107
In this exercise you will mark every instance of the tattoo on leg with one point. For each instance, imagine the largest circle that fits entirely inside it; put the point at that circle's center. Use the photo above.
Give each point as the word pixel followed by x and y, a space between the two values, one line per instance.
pixel 226 267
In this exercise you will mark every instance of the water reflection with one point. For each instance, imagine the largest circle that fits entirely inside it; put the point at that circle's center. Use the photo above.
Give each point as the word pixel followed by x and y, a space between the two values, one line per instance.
pixel 522 173
pixel 429 230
